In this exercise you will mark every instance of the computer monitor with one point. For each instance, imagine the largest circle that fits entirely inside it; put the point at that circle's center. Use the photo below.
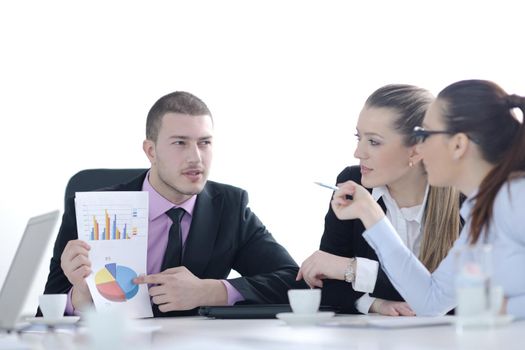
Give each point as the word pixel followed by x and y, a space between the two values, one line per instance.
pixel 24 267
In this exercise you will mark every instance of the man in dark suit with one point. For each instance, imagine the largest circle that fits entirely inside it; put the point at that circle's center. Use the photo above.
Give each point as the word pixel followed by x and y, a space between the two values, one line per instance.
pixel 198 229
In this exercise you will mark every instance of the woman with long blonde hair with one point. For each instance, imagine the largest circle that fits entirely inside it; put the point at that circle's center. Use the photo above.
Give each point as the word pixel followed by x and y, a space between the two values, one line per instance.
pixel 426 218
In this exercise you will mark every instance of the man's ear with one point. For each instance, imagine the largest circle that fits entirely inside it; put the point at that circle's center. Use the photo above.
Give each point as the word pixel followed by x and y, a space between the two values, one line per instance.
pixel 149 148
pixel 458 145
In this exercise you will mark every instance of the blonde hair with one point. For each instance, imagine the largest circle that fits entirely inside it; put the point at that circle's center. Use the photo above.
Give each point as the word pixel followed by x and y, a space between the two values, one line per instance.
pixel 441 225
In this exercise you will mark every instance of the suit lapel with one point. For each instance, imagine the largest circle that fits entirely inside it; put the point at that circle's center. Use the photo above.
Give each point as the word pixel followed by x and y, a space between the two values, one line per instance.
pixel 204 225
pixel 382 204
pixel 203 231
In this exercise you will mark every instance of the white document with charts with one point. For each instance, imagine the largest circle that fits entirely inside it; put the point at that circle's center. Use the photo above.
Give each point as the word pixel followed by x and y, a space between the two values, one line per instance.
pixel 115 225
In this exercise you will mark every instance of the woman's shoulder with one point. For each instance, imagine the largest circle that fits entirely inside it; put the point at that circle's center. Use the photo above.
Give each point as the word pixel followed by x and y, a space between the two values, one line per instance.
pixel 350 173
pixel 512 192
pixel 517 180
pixel 509 206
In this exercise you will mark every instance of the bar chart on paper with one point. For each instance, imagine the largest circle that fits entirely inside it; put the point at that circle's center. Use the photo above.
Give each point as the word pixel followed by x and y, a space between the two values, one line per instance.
pixel 104 223
pixel 110 216
pixel 115 282
pixel 113 226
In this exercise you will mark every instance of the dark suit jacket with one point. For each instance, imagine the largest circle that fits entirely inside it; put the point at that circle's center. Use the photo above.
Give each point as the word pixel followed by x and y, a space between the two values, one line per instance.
pixel 344 238
pixel 224 234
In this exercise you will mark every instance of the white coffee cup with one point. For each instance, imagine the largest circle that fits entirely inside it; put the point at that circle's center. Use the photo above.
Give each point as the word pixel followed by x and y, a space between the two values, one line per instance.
pixel 304 301
pixel 52 305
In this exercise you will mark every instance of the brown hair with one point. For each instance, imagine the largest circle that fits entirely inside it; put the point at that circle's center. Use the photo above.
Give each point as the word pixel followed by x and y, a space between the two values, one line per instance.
pixel 441 221
pixel 177 102
pixel 484 112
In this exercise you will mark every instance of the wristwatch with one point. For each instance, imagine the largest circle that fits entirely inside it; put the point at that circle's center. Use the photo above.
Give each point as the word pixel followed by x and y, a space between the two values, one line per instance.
pixel 350 271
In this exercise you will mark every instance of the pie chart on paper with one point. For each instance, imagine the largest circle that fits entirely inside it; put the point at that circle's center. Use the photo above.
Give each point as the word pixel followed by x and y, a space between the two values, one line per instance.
pixel 115 282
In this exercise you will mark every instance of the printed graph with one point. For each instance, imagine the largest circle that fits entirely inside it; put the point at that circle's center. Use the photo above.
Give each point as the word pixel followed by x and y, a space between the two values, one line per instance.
pixel 104 223
pixel 115 282
pixel 110 229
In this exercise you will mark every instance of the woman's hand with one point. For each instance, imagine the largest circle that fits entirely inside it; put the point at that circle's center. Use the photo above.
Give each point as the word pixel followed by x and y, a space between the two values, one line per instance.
pixel 362 205
pixel 321 265
pixel 391 308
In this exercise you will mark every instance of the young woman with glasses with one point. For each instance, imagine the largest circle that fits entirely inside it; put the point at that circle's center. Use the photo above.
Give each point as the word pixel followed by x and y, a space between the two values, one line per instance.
pixel 471 139
pixel 426 218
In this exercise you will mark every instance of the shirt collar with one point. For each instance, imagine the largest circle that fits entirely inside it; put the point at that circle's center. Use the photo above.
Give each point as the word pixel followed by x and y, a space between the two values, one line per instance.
pixel 378 192
pixel 414 213
pixel 468 204
pixel 159 205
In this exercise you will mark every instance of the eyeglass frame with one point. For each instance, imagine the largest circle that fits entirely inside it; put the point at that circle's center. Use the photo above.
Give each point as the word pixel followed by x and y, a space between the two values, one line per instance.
pixel 420 134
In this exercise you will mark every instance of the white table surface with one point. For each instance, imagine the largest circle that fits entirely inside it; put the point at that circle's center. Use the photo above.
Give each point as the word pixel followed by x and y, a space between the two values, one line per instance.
pixel 202 333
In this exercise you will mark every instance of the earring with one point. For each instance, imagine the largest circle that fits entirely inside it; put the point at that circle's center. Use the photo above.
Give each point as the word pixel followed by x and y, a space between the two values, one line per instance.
pixel 410 164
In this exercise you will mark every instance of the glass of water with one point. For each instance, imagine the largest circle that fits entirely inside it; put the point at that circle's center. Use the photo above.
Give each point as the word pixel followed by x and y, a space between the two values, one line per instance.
pixel 475 295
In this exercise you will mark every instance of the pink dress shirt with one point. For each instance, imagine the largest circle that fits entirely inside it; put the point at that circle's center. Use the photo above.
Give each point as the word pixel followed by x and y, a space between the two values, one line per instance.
pixel 158 230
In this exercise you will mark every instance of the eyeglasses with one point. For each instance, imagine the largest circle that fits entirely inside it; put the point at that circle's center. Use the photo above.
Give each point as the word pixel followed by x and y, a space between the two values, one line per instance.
pixel 420 134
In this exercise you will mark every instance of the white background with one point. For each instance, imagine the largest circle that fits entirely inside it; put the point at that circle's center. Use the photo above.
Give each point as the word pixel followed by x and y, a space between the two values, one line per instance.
pixel 285 81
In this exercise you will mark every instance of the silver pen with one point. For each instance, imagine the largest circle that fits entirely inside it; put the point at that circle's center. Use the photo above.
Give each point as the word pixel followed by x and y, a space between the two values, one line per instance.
pixel 334 188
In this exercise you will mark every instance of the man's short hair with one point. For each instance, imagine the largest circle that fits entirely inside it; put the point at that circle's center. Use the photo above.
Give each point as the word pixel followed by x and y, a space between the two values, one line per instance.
pixel 180 102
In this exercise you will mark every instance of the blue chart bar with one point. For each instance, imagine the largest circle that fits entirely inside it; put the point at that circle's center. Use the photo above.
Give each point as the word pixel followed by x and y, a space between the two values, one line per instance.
pixel 114 228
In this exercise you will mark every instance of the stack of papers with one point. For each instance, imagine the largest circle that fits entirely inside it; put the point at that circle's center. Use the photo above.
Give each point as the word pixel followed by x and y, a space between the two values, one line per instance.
pixel 390 322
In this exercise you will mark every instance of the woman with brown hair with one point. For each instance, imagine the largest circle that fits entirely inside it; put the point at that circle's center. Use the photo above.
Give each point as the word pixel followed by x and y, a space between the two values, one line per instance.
pixel 471 140
pixel 426 218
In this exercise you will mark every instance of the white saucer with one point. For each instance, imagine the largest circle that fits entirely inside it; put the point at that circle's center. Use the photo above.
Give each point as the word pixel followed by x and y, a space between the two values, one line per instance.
pixel 53 321
pixel 294 319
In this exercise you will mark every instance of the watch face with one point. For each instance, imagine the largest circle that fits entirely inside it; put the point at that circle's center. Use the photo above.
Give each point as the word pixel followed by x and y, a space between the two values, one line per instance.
pixel 350 272
pixel 349 276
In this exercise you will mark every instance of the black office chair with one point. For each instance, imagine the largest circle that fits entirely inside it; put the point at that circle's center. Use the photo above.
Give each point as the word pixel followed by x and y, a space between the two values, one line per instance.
pixel 93 179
